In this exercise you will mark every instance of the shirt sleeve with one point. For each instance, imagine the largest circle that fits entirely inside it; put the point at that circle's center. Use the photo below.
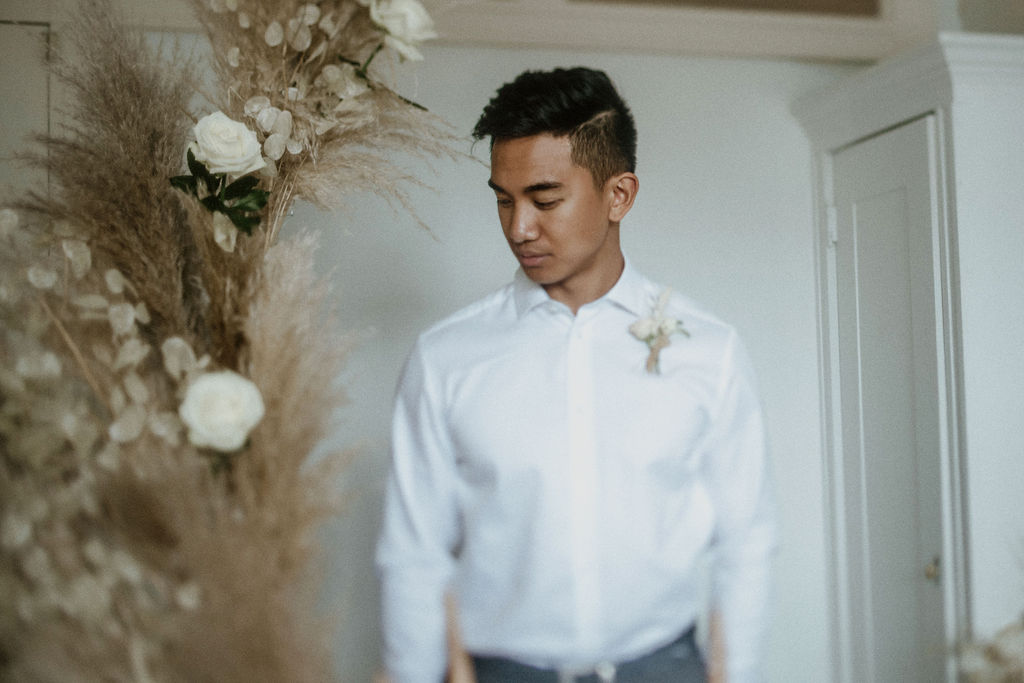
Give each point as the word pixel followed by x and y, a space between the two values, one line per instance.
pixel 737 473
pixel 419 530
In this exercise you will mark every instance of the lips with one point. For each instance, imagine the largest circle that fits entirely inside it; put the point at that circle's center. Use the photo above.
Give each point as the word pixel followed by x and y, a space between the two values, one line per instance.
pixel 529 259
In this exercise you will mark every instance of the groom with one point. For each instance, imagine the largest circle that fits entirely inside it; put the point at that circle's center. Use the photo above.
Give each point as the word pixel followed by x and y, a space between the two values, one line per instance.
pixel 566 450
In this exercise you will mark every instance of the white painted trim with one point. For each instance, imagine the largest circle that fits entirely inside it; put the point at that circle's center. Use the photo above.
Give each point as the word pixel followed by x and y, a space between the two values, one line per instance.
pixel 907 86
pixel 607 25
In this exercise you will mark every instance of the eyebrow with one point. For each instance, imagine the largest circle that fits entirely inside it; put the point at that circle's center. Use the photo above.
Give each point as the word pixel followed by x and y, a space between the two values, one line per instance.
pixel 530 189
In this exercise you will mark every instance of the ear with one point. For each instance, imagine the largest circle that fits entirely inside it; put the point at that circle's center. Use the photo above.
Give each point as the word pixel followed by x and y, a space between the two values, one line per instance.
pixel 622 189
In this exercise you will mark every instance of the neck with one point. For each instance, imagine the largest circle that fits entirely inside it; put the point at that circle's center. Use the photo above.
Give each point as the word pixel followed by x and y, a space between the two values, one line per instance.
pixel 575 293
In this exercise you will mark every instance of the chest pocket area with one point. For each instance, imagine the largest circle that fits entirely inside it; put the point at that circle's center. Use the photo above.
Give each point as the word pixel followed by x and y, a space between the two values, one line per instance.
pixel 663 438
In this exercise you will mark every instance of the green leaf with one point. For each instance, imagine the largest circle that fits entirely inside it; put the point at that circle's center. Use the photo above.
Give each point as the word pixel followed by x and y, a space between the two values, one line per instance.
pixel 241 187
pixel 200 171
pixel 254 201
pixel 242 220
pixel 185 183
pixel 213 203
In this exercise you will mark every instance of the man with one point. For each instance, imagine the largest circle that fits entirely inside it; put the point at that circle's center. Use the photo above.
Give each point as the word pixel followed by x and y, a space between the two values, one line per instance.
pixel 566 449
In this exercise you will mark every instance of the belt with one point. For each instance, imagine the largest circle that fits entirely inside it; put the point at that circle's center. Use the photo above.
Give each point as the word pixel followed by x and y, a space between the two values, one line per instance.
pixel 502 670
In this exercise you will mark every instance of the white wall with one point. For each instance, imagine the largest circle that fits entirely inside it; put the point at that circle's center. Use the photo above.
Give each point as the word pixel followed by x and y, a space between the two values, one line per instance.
pixel 724 215
pixel 988 134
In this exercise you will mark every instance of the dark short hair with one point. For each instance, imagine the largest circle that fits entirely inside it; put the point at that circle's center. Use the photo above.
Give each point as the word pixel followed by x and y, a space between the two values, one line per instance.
pixel 580 103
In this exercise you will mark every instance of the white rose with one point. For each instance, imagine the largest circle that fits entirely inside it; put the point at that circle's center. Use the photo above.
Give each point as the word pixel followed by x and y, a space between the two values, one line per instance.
pixel 406 23
pixel 644 329
pixel 669 326
pixel 226 146
pixel 220 409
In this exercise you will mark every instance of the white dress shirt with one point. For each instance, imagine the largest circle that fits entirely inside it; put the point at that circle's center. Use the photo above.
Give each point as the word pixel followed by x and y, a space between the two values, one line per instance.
pixel 565 495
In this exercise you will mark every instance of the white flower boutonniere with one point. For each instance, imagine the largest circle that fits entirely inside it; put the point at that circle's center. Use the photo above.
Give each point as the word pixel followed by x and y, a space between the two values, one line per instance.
pixel 655 330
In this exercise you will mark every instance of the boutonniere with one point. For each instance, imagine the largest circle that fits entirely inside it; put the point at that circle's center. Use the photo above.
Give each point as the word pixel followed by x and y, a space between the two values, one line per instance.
pixel 655 330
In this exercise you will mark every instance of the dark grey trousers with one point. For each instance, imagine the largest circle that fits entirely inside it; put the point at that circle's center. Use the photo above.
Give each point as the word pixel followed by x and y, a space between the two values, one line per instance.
pixel 678 662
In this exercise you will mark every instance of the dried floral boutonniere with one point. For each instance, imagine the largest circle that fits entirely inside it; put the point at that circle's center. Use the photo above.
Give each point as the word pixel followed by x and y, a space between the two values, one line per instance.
pixel 655 330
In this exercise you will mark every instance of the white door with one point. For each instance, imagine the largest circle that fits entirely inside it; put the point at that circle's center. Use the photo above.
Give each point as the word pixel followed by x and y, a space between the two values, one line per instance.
pixel 24 104
pixel 889 499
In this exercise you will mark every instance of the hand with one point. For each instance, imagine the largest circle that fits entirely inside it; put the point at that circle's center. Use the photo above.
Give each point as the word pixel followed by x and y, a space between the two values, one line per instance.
pixel 716 650
pixel 460 666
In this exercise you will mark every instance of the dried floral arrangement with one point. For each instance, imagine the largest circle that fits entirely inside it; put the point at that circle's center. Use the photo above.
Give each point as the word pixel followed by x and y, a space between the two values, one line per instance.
pixel 1001 660
pixel 166 363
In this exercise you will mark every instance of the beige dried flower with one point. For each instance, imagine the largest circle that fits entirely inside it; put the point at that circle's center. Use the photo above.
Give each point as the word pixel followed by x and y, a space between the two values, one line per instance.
pixel 274 34
pixel 42 278
pixel 179 358
pixel 79 255
pixel 130 354
pixel 116 282
pixel 122 318
pixel 8 222
pixel 128 425
pixel 38 364
pixel 15 531
pixel 225 234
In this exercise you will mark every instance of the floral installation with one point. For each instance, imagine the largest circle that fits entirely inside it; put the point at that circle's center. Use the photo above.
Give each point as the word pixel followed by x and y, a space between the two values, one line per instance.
pixel 168 361
pixel 1001 660
pixel 656 329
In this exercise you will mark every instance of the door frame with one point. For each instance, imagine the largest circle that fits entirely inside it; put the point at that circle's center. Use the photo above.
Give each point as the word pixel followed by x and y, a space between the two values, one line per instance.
pixel 871 102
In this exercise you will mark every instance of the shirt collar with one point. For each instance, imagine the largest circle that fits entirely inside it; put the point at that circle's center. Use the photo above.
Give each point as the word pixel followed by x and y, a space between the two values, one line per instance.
pixel 630 292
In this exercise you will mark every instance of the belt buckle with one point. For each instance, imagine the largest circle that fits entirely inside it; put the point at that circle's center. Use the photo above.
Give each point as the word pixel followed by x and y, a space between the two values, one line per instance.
pixel 605 672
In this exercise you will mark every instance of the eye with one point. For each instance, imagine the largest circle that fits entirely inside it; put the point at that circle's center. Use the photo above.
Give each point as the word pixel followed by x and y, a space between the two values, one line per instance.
pixel 545 206
pixel 504 203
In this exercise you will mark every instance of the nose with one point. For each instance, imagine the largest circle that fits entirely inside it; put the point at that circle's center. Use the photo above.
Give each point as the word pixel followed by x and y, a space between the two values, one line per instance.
pixel 523 224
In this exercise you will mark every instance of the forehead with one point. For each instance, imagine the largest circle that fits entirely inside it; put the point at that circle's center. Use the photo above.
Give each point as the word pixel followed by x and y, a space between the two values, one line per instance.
pixel 519 163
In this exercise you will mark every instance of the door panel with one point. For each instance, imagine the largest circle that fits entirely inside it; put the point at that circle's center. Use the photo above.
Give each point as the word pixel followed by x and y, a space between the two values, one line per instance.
pixel 25 104
pixel 891 502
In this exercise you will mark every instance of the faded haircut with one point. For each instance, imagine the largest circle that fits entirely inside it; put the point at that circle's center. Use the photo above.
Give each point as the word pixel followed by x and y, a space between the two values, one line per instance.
pixel 580 103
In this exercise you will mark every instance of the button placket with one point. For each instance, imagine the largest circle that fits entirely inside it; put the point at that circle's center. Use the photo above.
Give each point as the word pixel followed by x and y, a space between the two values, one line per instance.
pixel 583 475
